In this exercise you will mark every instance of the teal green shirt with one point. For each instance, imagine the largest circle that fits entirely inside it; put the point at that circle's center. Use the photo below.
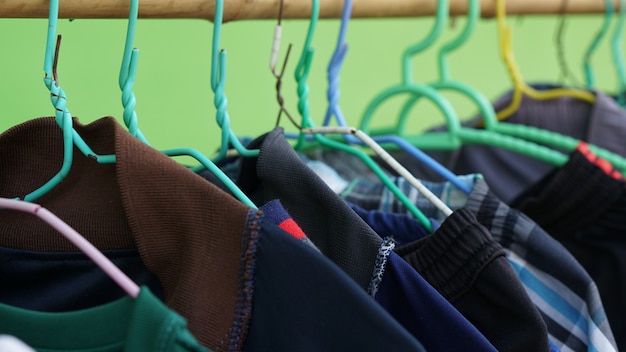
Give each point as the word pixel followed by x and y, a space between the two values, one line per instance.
pixel 127 324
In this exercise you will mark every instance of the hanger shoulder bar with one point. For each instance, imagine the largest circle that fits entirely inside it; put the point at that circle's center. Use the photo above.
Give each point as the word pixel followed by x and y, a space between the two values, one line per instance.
pixel 235 10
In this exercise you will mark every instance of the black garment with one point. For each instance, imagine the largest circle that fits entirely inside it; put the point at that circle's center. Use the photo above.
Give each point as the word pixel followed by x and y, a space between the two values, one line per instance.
pixel 584 208
pixel 469 268
pixel 560 287
pixel 66 281
pixel 278 173
pixel 304 302
pixel 349 242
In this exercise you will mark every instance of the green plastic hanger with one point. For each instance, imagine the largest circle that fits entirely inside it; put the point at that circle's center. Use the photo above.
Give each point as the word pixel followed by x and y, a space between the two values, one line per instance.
pixel 407 85
pixel 608 14
pixel 445 82
pixel 456 135
pixel 491 122
pixel 218 82
pixel 616 50
pixel 301 76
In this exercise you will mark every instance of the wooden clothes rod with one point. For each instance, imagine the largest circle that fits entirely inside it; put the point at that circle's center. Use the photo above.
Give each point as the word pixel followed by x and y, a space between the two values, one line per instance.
pixel 236 10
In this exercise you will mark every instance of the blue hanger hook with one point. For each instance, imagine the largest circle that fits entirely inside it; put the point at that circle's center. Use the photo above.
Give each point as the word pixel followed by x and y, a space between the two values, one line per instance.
pixel 334 109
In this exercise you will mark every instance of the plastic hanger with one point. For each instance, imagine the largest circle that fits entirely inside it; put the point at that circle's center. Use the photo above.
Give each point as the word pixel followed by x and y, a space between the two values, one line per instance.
pixel 587 69
pixel 218 82
pixel 445 82
pixel 334 109
pixel 77 239
pixel 456 135
pixel 63 117
pixel 301 76
pixel 387 158
pixel 58 96
pixel 408 86
pixel 519 85
pixel 491 122
pixel 128 71
pixel 127 76
pixel 616 50
pixel 355 136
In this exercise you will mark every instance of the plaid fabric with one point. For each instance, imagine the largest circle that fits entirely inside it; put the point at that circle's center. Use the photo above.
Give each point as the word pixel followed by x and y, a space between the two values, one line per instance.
pixel 559 286
pixel 376 196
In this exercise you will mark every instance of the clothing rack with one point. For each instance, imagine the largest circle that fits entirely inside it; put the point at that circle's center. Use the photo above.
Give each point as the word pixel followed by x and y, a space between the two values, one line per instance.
pixel 236 10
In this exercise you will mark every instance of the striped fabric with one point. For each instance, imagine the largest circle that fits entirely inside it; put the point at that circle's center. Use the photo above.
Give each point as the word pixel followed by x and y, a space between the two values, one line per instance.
pixel 559 286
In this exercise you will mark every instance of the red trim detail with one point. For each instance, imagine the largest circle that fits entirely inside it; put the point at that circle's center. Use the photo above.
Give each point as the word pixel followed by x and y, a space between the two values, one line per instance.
pixel 292 228
pixel 603 164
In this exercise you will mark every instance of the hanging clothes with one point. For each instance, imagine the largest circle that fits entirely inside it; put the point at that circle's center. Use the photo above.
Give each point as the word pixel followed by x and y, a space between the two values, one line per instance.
pixel 558 285
pixel 582 205
pixel 344 238
pixel 206 249
pixel 126 324
pixel 469 268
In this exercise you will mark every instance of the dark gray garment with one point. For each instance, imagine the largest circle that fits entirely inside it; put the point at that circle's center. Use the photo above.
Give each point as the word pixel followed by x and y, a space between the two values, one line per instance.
pixel 279 173
pixel 508 173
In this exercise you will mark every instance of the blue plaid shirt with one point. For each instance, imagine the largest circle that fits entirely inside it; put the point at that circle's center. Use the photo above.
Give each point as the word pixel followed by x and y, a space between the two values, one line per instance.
pixel 559 286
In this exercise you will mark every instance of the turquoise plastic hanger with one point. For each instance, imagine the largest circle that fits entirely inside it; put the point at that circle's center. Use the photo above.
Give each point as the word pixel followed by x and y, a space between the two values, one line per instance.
pixel 608 14
pixel 59 101
pixel 301 76
pixel 126 83
pixel 616 50
pixel 218 82
pixel 127 80
pixel 63 116
pixel 456 135
pixel 52 85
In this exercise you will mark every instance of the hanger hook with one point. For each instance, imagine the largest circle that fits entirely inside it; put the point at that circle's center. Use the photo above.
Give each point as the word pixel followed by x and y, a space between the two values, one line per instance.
pixel 608 14
pixel 279 96
pixel 302 74
pixel 59 99
pixel 616 50
pixel 441 16
pixel 334 66
pixel 128 71
pixel 279 75
pixel 218 83
pixel 473 14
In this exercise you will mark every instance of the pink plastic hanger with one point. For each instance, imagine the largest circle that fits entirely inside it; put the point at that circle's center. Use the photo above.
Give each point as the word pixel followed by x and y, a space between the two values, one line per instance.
pixel 77 239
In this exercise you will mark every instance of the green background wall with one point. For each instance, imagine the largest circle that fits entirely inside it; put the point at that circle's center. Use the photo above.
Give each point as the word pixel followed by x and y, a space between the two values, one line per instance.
pixel 174 99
